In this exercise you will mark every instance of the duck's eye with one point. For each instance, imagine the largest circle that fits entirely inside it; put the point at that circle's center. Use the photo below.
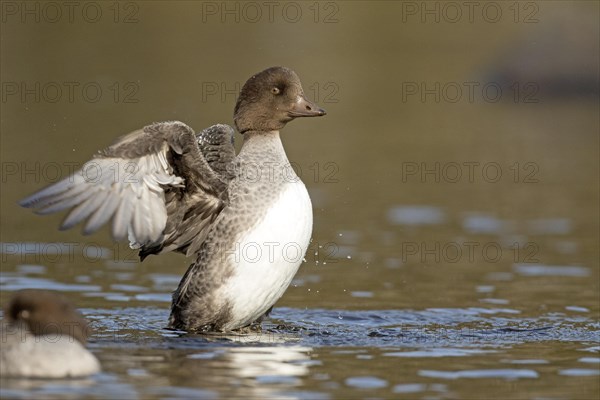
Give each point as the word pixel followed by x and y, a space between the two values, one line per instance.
pixel 275 90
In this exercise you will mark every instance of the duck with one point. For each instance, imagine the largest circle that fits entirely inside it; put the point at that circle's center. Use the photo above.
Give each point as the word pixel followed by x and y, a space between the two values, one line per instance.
pixel 245 220
pixel 44 336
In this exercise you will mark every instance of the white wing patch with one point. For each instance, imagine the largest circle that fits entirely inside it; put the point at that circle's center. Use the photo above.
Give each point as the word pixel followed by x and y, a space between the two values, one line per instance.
pixel 128 190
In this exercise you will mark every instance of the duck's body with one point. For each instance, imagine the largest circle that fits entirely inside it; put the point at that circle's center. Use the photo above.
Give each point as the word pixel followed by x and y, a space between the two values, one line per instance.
pixel 24 355
pixel 247 219
pixel 258 241
pixel 271 253
pixel 43 337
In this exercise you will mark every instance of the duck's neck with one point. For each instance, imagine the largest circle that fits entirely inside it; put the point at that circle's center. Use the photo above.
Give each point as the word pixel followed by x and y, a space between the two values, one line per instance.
pixel 261 135
pixel 262 158
pixel 266 143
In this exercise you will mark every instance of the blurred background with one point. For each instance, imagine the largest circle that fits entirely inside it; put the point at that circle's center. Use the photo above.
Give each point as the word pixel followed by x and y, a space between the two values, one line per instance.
pixel 456 173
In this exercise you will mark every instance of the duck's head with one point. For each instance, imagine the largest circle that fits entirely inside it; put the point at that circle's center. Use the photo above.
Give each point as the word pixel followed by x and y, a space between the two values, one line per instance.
pixel 45 312
pixel 271 99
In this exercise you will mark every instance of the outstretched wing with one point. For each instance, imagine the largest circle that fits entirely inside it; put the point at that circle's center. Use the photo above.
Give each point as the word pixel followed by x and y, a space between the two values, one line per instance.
pixel 216 144
pixel 154 183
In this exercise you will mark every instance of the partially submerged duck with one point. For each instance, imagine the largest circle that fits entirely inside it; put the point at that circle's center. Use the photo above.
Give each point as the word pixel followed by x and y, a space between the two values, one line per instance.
pixel 43 336
pixel 245 219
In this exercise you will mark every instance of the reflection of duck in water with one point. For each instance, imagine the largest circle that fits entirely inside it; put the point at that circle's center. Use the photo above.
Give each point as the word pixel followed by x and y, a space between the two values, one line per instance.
pixel 43 336
pixel 258 372
pixel 171 189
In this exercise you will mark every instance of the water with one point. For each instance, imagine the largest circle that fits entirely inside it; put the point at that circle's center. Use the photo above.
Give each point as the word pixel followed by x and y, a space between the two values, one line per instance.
pixel 455 247
pixel 315 352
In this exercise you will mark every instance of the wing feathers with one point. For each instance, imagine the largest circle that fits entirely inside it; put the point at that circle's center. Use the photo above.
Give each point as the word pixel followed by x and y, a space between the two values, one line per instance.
pixel 49 192
pixel 84 210
pixel 122 218
pixel 127 182
pixel 64 201
pixel 216 144
pixel 102 214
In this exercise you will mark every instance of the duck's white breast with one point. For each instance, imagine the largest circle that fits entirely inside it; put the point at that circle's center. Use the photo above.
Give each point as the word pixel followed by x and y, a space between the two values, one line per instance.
pixel 268 256
pixel 49 356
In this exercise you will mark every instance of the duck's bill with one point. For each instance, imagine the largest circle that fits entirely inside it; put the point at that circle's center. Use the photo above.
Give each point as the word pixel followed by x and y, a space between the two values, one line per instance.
pixel 306 108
